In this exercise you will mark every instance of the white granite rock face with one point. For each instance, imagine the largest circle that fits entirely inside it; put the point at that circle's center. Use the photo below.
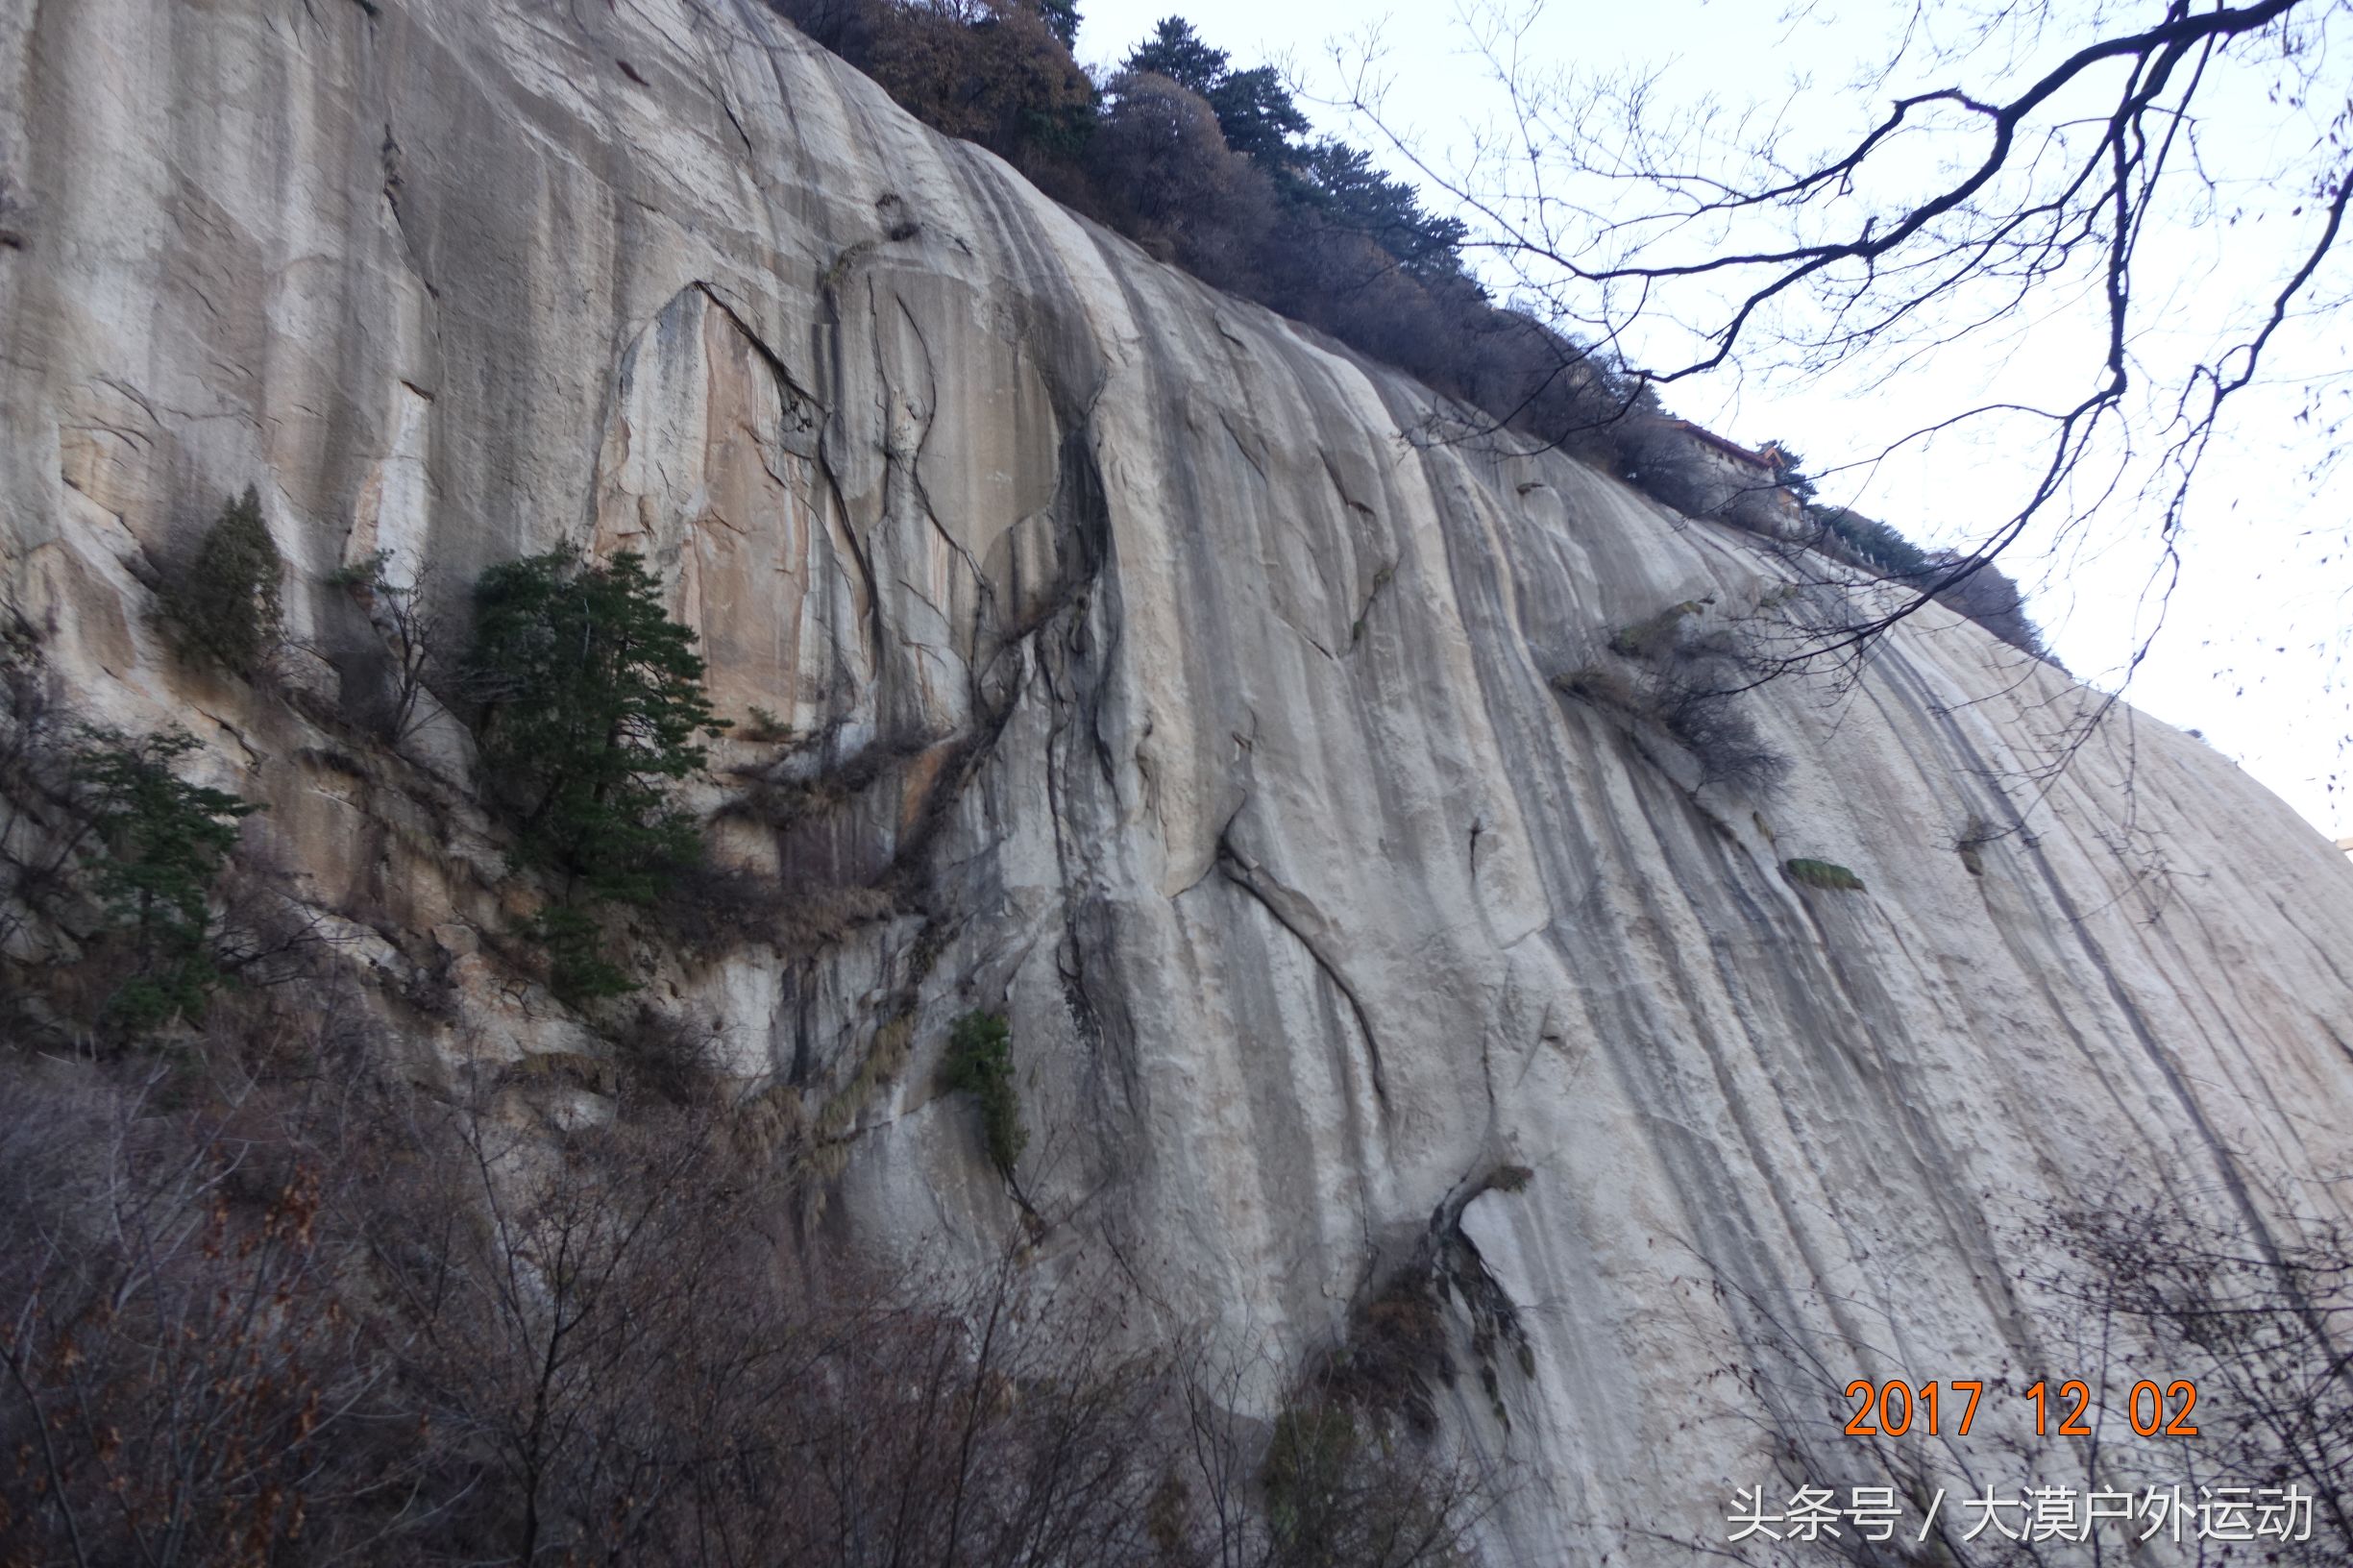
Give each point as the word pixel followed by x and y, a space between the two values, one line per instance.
pixel 1195 716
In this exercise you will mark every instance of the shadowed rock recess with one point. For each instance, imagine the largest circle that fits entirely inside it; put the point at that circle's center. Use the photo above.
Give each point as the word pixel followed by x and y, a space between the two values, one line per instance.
pixel 1150 685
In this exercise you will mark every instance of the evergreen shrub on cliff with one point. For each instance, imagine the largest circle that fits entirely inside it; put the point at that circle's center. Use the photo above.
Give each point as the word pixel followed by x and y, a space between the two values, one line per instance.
pixel 980 1062
pixel 227 608
pixel 1823 873
pixel 593 706
pixel 154 847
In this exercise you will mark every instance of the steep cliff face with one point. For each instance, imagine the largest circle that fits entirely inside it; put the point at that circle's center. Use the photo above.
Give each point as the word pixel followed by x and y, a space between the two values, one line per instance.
pixel 1182 705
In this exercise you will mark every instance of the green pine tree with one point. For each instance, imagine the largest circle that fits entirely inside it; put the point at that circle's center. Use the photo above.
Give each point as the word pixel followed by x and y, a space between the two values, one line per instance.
pixel 1175 51
pixel 226 607
pixel 1061 19
pixel 980 1062
pixel 594 705
pixel 156 844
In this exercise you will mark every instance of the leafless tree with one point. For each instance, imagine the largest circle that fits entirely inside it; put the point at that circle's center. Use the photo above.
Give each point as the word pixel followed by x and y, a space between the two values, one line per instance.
pixel 2258 1316
pixel 321 1316
pixel 2186 1347
pixel 2015 160
pixel 415 632
pixel 183 1378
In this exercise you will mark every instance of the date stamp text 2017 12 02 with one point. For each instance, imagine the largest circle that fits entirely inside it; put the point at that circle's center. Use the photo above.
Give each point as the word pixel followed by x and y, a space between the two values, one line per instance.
pixel 1895 1409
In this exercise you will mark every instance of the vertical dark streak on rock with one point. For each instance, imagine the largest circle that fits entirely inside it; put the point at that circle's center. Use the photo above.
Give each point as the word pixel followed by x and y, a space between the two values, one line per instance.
pixel 1242 876
pixel 2225 1161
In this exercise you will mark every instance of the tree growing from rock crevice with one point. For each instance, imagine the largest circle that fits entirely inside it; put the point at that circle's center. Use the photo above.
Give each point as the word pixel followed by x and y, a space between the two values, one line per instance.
pixel 226 609
pixel 592 712
pixel 154 847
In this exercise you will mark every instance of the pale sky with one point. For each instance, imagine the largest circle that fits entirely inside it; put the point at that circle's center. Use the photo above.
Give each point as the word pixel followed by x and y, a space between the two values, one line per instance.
pixel 2252 652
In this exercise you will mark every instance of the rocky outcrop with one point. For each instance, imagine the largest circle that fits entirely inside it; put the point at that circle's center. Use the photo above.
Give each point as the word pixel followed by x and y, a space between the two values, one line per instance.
pixel 1171 697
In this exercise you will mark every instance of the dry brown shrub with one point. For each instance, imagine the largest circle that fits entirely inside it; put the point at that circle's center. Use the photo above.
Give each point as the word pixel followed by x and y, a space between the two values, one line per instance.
pixel 669 1058
pixel 1173 184
pixel 1687 676
pixel 712 910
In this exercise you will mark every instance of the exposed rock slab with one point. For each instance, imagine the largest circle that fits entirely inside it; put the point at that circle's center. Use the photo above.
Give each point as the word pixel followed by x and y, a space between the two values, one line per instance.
pixel 1207 721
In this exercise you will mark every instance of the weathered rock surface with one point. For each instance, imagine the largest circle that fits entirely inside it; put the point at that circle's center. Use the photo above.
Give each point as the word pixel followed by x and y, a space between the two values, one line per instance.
pixel 1191 712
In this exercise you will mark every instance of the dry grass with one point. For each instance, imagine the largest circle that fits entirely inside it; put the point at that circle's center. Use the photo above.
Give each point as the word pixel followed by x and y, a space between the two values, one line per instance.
pixel 1971 844
pixel 710 911
pixel 1655 635
pixel 669 1058
pixel 1685 676
pixel 775 1119
pixel 598 1074
pixel 1602 686
pixel 1510 1178
pixel 886 1057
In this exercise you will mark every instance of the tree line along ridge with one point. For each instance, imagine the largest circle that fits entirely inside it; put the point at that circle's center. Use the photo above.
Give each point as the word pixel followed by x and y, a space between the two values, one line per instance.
pixel 1214 168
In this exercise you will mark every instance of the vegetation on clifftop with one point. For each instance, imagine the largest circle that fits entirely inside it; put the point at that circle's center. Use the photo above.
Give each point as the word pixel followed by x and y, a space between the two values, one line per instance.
pixel 1215 169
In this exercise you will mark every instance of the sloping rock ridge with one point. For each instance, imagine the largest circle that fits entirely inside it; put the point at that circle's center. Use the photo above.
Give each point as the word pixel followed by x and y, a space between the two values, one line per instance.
pixel 1182 692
